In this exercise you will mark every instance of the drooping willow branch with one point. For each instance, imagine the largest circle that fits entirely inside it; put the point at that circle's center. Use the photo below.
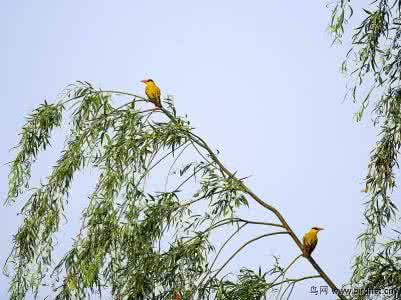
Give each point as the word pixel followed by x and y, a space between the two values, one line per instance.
pixel 137 242
pixel 201 143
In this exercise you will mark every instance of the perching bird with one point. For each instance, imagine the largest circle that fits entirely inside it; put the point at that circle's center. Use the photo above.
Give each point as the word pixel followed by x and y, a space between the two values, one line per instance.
pixel 310 241
pixel 153 92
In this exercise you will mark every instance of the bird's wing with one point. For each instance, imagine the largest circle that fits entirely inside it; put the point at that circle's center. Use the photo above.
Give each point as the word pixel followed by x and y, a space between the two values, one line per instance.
pixel 157 93
pixel 309 244
pixel 312 245
pixel 305 249
pixel 157 96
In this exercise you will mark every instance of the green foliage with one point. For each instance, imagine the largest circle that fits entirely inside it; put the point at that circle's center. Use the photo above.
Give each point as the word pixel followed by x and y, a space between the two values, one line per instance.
pixel 134 242
pixel 374 64
pixel 34 138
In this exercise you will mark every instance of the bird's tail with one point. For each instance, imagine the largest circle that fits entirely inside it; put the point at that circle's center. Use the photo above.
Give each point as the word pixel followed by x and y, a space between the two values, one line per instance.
pixel 157 103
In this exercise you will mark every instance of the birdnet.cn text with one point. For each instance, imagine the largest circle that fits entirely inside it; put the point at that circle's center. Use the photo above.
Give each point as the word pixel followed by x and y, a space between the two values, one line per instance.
pixel 324 290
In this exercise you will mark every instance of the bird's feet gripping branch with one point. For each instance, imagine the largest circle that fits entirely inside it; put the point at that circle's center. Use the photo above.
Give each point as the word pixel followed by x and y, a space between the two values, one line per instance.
pixel 153 93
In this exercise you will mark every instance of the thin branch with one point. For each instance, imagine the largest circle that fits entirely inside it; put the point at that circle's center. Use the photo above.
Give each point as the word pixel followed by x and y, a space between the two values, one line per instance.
pixel 243 246
pixel 258 223
pixel 295 280
pixel 191 176
pixel 283 274
pixel 124 93
pixel 189 203
pixel 224 244
pixel 287 268
pixel 172 165
pixel 291 285
pixel 199 152
pixel 148 169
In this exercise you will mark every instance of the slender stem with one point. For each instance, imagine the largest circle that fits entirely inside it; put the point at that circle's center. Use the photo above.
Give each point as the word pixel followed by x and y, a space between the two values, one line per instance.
pixel 211 227
pixel 148 169
pixel 218 253
pixel 294 280
pixel 200 153
pixel 172 166
pixel 225 243
pixel 188 203
pixel 288 267
pixel 243 246
pixel 238 251
pixel 291 285
pixel 292 289
pixel 237 220
pixel 124 93
pixel 257 222
pixel 284 272
pixel 191 176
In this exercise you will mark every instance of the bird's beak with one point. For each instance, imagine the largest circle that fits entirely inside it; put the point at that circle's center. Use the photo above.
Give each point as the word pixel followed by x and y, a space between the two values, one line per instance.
pixel 320 228
pixel 144 81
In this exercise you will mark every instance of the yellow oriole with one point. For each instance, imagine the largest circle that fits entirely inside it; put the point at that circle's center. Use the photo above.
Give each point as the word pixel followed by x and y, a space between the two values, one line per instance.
pixel 153 92
pixel 310 241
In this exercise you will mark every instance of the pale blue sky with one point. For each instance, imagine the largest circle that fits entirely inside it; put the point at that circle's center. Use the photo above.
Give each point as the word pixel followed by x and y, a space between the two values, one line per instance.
pixel 258 79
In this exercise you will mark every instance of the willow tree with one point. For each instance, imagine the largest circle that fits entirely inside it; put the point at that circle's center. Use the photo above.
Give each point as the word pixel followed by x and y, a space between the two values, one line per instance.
pixel 136 243
pixel 374 67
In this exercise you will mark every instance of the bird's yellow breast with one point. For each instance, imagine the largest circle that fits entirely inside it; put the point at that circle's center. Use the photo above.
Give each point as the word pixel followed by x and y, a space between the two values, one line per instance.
pixel 310 237
pixel 152 91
